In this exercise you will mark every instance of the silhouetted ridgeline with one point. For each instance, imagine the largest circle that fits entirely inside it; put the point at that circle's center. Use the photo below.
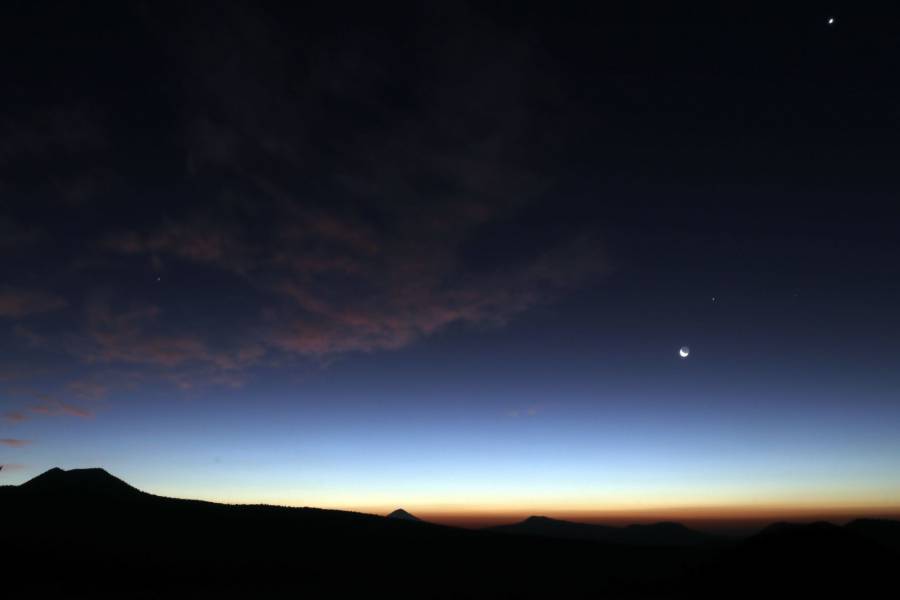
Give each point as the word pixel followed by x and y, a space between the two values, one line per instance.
pixel 655 534
pixel 85 533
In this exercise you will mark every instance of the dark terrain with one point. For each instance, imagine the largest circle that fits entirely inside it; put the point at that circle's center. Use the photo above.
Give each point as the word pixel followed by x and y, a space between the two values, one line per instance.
pixel 655 534
pixel 85 533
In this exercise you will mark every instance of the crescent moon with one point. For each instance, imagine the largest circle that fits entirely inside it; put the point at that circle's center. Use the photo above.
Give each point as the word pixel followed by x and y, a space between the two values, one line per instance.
pixel 684 352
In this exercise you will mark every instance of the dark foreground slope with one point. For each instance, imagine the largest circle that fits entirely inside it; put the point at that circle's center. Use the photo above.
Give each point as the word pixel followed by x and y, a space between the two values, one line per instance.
pixel 84 533
pixel 817 559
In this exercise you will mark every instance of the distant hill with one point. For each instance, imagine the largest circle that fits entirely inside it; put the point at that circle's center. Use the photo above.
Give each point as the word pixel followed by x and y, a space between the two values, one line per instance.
pixel 786 528
pixel 402 514
pixel 805 560
pixel 883 531
pixel 656 534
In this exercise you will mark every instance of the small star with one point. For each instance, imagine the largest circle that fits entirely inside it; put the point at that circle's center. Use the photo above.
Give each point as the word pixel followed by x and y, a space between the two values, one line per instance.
pixel 831 20
pixel 158 279
pixel 713 298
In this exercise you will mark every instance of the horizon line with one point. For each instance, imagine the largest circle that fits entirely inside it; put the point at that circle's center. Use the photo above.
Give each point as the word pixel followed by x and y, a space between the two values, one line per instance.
pixel 712 516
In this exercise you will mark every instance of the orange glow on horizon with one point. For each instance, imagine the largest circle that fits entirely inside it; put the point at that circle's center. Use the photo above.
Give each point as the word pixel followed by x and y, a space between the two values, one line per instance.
pixel 726 512
pixel 712 518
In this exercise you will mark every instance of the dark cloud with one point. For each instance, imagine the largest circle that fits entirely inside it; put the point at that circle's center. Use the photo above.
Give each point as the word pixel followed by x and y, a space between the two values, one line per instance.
pixel 16 302
pixel 18 235
pixel 371 255
pixel 413 298
pixel 47 132
pixel 311 192
pixel 57 154
pixel 31 337
pixel 19 370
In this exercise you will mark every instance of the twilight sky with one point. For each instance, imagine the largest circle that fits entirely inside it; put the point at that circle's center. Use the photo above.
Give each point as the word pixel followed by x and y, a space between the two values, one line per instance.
pixel 443 257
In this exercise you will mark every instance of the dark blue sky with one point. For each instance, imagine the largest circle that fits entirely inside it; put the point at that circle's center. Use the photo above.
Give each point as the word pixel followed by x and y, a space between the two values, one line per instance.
pixel 444 257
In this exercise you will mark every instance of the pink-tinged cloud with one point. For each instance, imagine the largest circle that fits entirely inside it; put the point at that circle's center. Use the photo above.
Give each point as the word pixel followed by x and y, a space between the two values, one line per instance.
pixel 196 241
pixel 193 378
pixel 76 411
pixel 87 389
pixel 14 443
pixel 9 467
pixel 133 337
pixel 329 244
pixel 17 302
pixel 55 408
pixel 416 304
pixel 528 411
pixel 333 231
pixel 329 283
pixel 32 338
pixel 385 262
pixel 15 416
pixel 19 371
pixel 390 291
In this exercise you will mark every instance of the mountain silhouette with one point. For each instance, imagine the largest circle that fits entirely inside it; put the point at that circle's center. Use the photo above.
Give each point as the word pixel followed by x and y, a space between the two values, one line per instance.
pixel 402 514
pixel 78 481
pixel 86 533
pixel 655 534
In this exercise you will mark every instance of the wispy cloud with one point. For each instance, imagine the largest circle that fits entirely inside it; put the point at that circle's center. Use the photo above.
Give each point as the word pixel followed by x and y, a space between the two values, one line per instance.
pixel 358 229
pixel 15 234
pixel 31 337
pixel 88 389
pixel 53 408
pixel 15 416
pixel 378 255
pixel 368 292
pixel 47 132
pixel 35 403
pixel 18 302
pixel 525 412
pixel 14 443
pixel 133 336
